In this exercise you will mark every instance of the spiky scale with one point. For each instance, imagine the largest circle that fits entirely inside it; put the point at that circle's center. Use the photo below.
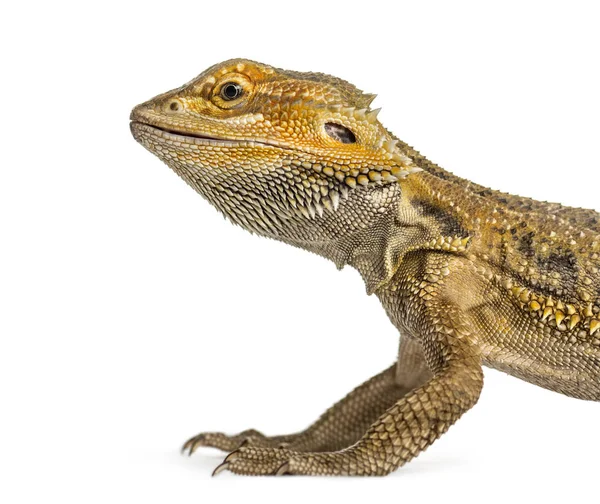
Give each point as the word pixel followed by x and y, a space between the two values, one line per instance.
pixel 304 211
pixel 335 199
pixel 574 320
pixel 388 177
pixel 516 290
pixel 375 176
pixel 372 115
pixel 390 145
pixel 368 98
pixel 362 180
pixel 360 114
pixel 525 295
pixel 400 173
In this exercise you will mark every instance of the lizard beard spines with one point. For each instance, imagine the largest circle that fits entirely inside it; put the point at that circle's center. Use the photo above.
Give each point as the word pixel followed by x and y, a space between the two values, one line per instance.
pixel 289 194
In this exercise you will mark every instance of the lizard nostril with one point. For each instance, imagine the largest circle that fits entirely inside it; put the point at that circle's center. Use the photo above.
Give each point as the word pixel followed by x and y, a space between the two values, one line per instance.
pixel 174 106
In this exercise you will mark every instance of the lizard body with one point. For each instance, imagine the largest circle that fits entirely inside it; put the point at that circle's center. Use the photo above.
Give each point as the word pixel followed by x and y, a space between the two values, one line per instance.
pixel 469 276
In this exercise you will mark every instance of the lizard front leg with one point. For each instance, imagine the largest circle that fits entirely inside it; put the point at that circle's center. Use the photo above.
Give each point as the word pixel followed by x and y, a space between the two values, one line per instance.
pixel 404 430
pixel 346 421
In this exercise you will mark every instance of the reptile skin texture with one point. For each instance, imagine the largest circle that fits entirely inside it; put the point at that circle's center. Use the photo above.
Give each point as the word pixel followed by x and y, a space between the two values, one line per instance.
pixel 470 277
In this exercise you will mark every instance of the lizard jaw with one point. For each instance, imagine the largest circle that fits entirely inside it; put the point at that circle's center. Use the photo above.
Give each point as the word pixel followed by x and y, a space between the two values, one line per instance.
pixel 139 128
pixel 176 132
pixel 144 121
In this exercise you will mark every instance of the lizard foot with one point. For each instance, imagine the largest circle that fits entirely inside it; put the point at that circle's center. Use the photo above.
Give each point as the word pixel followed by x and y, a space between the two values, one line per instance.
pixel 229 443
pixel 257 461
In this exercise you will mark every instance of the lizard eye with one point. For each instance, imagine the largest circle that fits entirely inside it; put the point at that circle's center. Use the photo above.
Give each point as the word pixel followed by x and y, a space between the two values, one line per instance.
pixel 231 91
pixel 340 133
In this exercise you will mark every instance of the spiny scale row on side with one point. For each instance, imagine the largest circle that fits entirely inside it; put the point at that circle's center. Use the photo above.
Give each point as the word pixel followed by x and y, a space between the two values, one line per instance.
pixel 449 243
pixel 392 175
pixel 566 316
pixel 354 177
pixel 362 176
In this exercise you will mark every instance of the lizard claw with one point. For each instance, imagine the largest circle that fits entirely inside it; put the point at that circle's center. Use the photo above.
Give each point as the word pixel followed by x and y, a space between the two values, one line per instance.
pixel 220 468
pixel 191 444
pixel 232 456
pixel 184 447
pixel 223 441
pixel 256 461
pixel 283 469
pixel 188 445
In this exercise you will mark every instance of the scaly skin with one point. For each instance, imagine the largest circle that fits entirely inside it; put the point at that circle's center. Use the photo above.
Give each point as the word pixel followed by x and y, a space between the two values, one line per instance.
pixel 469 276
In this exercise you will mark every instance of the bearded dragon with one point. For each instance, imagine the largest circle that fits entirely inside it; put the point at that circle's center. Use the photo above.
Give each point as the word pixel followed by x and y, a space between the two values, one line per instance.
pixel 469 276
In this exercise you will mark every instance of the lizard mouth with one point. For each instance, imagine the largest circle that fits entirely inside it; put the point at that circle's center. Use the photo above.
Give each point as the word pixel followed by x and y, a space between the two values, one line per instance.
pixel 184 133
pixel 143 124
pixel 141 128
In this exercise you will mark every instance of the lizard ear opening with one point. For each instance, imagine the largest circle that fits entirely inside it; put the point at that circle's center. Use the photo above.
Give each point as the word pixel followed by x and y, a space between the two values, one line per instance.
pixel 340 133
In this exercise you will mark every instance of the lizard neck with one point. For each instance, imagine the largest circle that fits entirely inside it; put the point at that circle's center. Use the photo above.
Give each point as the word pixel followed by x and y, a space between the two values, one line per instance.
pixel 417 218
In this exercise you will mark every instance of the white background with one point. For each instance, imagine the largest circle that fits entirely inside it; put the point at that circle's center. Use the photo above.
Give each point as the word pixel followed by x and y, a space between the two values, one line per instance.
pixel 133 317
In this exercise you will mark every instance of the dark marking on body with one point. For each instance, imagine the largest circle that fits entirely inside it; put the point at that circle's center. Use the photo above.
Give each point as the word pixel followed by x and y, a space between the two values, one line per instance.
pixel 565 264
pixel 447 223
pixel 525 244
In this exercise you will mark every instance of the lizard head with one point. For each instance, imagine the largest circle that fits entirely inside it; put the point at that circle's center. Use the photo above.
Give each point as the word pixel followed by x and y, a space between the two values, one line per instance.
pixel 295 156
